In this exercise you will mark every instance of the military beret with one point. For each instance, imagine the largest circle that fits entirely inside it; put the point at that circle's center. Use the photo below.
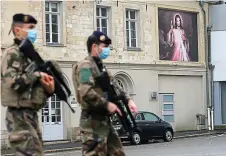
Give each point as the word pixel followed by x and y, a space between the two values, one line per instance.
pixel 22 18
pixel 102 37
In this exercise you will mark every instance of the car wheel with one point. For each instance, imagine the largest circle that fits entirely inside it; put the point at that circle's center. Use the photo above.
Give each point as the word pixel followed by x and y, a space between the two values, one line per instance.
pixel 168 135
pixel 136 140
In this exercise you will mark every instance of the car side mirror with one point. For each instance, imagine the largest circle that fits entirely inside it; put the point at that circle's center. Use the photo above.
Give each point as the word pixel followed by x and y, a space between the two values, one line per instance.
pixel 160 120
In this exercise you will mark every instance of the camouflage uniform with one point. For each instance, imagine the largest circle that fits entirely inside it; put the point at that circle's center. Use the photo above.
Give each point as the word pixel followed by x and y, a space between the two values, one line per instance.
pixel 98 135
pixel 22 103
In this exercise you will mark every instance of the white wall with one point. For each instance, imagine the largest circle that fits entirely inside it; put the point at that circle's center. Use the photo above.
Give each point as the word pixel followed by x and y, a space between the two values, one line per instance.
pixel 188 99
pixel 218 52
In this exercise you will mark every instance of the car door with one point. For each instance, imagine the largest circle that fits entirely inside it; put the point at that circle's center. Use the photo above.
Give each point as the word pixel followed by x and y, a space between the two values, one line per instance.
pixel 159 125
pixel 141 124
pixel 154 127
pixel 146 127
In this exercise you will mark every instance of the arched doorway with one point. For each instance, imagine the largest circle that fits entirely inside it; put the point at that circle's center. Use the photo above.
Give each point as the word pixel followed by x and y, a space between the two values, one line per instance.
pixel 52 119
pixel 125 81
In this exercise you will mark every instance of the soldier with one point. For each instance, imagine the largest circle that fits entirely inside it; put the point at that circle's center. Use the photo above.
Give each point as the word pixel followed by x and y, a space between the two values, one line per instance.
pixel 98 135
pixel 23 93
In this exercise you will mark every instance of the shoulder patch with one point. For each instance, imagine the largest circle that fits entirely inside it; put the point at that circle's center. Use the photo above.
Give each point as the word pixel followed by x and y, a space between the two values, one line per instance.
pixel 85 75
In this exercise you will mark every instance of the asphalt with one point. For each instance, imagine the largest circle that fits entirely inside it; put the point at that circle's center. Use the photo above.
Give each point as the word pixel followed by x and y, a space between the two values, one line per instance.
pixel 51 147
pixel 209 145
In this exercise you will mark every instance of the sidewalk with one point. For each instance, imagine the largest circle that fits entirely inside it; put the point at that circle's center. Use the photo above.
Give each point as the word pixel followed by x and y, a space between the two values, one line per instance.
pixel 196 133
pixel 67 146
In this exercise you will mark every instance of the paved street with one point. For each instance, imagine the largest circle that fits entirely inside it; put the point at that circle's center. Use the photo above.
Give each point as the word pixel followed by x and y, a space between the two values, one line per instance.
pixel 200 146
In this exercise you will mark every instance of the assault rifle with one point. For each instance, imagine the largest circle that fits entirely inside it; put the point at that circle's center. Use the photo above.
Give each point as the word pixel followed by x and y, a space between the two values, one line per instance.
pixel 113 95
pixel 62 91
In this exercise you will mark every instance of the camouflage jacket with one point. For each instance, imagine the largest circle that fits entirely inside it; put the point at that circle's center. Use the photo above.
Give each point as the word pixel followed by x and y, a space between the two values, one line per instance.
pixel 18 88
pixel 89 95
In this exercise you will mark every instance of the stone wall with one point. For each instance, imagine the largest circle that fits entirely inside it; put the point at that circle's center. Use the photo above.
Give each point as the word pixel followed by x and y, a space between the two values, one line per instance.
pixel 4 140
pixel 77 23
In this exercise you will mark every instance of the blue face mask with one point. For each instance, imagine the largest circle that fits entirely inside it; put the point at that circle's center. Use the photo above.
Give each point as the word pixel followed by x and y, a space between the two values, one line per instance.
pixel 104 53
pixel 32 35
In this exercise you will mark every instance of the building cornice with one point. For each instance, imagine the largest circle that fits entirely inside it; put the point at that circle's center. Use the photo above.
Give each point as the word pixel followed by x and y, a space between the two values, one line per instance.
pixel 132 66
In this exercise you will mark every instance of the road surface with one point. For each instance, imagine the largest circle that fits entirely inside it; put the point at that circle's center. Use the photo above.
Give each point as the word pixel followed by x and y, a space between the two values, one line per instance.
pixel 199 146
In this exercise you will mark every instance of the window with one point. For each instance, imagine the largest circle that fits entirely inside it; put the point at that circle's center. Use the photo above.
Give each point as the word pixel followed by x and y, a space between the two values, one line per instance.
pixel 167 98
pixel 138 117
pixel 102 15
pixel 121 84
pixel 150 117
pixel 52 110
pixel 131 28
pixel 168 107
pixel 52 22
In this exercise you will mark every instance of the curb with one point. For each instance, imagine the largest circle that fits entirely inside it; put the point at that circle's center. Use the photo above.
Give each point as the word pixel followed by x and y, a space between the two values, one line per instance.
pixel 63 149
pixel 56 142
pixel 79 148
pixel 195 135
pixel 55 150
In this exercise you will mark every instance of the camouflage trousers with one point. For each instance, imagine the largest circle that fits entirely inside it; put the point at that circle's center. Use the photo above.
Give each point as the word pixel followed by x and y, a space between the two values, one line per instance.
pixel 109 146
pixel 24 133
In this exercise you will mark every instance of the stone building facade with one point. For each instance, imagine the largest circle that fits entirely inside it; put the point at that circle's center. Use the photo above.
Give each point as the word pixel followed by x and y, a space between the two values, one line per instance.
pixel 173 90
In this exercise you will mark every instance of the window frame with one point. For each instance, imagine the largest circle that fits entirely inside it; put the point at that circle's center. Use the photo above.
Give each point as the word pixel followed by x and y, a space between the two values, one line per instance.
pixel 151 114
pixel 129 20
pixel 48 107
pixel 169 112
pixel 140 114
pixel 121 84
pixel 59 22
pixel 124 84
pixel 100 17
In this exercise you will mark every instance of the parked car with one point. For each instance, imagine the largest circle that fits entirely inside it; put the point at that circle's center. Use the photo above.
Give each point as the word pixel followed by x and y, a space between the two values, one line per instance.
pixel 149 126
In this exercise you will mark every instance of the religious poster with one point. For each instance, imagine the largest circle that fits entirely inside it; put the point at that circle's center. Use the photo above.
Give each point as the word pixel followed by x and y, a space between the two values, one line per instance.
pixel 178 38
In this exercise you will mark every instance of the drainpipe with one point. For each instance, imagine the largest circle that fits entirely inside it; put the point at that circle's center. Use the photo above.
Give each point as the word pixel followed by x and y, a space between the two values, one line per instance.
pixel 211 67
pixel 207 59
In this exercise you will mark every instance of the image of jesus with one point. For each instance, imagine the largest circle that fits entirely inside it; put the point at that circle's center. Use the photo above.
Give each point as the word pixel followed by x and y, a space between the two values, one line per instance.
pixel 178 40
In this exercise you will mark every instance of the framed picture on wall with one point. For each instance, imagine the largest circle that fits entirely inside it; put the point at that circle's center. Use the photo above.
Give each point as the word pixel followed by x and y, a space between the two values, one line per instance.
pixel 178 36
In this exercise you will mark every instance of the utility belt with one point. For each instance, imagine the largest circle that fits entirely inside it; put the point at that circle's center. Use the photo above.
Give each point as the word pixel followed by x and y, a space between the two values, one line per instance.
pixel 31 111
pixel 95 116
pixel 11 98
